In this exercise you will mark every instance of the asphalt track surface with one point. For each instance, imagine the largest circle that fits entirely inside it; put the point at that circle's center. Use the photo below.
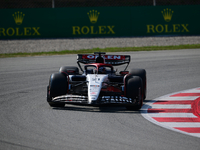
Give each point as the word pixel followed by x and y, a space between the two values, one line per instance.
pixel 27 121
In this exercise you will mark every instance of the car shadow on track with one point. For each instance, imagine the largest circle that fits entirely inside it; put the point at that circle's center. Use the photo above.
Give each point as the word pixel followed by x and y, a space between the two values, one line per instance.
pixel 97 109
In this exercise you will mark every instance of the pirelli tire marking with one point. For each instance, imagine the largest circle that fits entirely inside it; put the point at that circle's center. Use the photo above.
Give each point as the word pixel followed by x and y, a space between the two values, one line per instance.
pixel 178 112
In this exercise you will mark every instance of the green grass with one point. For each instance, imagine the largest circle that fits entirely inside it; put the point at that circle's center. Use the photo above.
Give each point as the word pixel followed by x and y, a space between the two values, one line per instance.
pixel 114 49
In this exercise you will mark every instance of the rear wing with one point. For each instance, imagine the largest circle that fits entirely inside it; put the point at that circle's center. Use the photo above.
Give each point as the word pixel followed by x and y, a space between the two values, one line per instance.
pixel 114 60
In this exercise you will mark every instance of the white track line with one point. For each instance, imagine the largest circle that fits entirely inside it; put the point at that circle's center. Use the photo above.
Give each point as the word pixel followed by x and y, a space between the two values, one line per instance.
pixel 193 91
pixel 177 98
pixel 173 115
pixel 181 124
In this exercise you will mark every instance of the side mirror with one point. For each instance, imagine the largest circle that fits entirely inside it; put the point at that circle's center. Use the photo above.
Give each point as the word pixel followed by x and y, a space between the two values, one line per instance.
pixel 124 73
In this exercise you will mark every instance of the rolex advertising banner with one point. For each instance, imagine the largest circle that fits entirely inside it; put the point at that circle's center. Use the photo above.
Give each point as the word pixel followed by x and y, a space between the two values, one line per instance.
pixel 27 23
pixel 165 20
pixel 75 22
pixel 93 22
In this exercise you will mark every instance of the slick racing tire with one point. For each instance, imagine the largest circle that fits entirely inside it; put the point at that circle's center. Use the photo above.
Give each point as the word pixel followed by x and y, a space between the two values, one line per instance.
pixel 58 85
pixel 134 91
pixel 142 74
pixel 69 70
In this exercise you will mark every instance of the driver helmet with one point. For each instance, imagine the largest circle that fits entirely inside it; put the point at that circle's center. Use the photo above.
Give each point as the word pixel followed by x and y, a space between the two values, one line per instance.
pixel 102 70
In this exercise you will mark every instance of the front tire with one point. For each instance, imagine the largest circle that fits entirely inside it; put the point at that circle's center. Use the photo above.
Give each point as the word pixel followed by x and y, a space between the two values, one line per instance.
pixel 58 85
pixel 134 91
pixel 142 74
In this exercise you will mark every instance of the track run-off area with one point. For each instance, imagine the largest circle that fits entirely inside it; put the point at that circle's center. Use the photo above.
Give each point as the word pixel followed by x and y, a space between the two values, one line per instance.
pixel 28 123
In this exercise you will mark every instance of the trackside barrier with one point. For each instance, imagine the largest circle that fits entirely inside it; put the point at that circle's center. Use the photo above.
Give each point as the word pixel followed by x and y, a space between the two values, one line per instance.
pixel 77 22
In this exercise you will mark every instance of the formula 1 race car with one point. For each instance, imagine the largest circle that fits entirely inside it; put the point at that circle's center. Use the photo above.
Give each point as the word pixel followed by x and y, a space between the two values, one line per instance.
pixel 98 83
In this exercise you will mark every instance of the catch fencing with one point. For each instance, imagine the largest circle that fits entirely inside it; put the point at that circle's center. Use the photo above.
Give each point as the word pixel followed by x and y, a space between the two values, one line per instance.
pixel 10 4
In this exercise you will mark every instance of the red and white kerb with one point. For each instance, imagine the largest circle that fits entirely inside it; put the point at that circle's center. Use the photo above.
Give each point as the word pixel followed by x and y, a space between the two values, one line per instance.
pixel 179 111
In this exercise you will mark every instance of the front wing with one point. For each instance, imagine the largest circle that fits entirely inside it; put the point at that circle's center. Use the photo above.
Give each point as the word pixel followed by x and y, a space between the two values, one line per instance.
pixel 79 99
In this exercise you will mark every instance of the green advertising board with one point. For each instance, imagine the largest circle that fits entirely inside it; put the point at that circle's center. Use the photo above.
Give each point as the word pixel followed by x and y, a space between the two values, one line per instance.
pixel 93 22
pixel 165 20
pixel 99 22
pixel 27 23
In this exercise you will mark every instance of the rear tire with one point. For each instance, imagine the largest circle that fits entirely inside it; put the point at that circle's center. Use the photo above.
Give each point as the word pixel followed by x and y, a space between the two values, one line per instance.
pixel 134 91
pixel 58 85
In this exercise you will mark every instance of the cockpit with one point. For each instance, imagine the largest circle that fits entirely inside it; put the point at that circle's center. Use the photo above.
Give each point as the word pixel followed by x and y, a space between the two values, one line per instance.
pixel 98 69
